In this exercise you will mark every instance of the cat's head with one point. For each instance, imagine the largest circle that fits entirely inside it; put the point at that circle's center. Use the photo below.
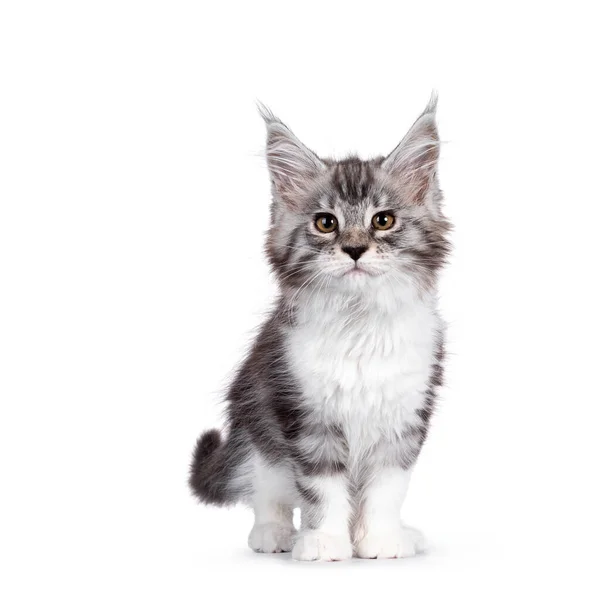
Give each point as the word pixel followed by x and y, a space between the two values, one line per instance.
pixel 356 224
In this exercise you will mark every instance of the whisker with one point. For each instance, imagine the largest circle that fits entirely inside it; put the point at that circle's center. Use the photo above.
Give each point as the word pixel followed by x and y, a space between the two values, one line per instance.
pixel 303 248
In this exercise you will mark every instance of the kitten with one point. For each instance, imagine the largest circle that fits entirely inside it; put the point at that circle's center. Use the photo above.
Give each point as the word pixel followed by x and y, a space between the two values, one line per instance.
pixel 329 410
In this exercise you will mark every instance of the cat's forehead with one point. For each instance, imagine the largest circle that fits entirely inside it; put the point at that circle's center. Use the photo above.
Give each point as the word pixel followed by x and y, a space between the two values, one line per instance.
pixel 353 187
pixel 353 180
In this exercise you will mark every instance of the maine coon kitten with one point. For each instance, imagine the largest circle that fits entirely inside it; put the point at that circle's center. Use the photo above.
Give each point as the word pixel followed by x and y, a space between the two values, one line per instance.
pixel 329 410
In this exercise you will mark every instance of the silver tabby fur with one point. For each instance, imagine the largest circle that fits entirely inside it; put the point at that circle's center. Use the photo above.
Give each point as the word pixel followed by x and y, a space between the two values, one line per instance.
pixel 330 409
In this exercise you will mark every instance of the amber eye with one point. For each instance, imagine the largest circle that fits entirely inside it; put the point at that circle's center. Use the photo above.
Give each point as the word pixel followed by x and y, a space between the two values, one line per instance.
pixel 383 221
pixel 326 223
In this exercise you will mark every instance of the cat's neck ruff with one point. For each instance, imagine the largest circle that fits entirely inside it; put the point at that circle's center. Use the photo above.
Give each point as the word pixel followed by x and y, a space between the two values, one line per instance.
pixel 363 357
pixel 380 299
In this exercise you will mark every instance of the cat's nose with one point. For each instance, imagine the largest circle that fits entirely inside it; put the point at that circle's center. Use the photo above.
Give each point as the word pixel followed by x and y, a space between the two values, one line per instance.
pixel 355 252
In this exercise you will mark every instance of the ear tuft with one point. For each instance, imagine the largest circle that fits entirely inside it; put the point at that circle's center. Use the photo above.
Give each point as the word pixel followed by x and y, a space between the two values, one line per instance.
pixel 433 102
pixel 414 160
pixel 266 113
pixel 293 167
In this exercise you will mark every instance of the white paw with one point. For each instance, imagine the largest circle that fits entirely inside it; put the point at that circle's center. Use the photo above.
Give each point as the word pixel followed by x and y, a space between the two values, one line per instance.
pixel 316 545
pixel 397 543
pixel 271 537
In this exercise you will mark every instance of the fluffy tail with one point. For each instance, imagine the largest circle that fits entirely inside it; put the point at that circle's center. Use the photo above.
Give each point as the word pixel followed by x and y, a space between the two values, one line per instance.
pixel 210 470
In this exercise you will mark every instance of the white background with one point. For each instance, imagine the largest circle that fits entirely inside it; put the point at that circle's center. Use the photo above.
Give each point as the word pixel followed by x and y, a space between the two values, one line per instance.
pixel 133 204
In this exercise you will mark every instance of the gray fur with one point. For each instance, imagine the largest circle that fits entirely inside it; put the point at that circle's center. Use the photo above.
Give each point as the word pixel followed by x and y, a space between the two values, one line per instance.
pixel 267 412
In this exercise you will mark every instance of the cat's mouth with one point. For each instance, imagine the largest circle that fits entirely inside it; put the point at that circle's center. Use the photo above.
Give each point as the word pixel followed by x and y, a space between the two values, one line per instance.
pixel 357 271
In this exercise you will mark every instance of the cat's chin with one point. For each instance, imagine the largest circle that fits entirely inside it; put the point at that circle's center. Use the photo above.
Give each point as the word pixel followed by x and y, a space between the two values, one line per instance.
pixel 358 281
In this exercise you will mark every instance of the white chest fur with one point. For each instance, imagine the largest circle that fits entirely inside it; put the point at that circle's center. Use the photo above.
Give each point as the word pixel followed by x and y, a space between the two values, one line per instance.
pixel 363 364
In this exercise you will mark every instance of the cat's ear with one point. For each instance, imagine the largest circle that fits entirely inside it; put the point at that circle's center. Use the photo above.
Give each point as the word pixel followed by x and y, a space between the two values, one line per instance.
pixel 292 166
pixel 413 163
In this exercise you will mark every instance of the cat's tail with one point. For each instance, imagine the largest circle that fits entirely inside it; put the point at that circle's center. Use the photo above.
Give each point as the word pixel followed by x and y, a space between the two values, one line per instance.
pixel 211 469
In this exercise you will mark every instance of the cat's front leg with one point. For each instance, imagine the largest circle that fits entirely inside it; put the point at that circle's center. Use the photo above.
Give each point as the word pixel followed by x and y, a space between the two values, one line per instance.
pixel 380 532
pixel 321 455
pixel 326 511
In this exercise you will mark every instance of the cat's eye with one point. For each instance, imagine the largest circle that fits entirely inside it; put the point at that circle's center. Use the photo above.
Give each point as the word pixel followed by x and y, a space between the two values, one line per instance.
pixel 326 223
pixel 382 221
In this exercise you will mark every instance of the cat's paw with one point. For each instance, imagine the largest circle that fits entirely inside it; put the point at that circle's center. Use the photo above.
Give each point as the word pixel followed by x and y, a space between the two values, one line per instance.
pixel 316 545
pixel 271 537
pixel 397 543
